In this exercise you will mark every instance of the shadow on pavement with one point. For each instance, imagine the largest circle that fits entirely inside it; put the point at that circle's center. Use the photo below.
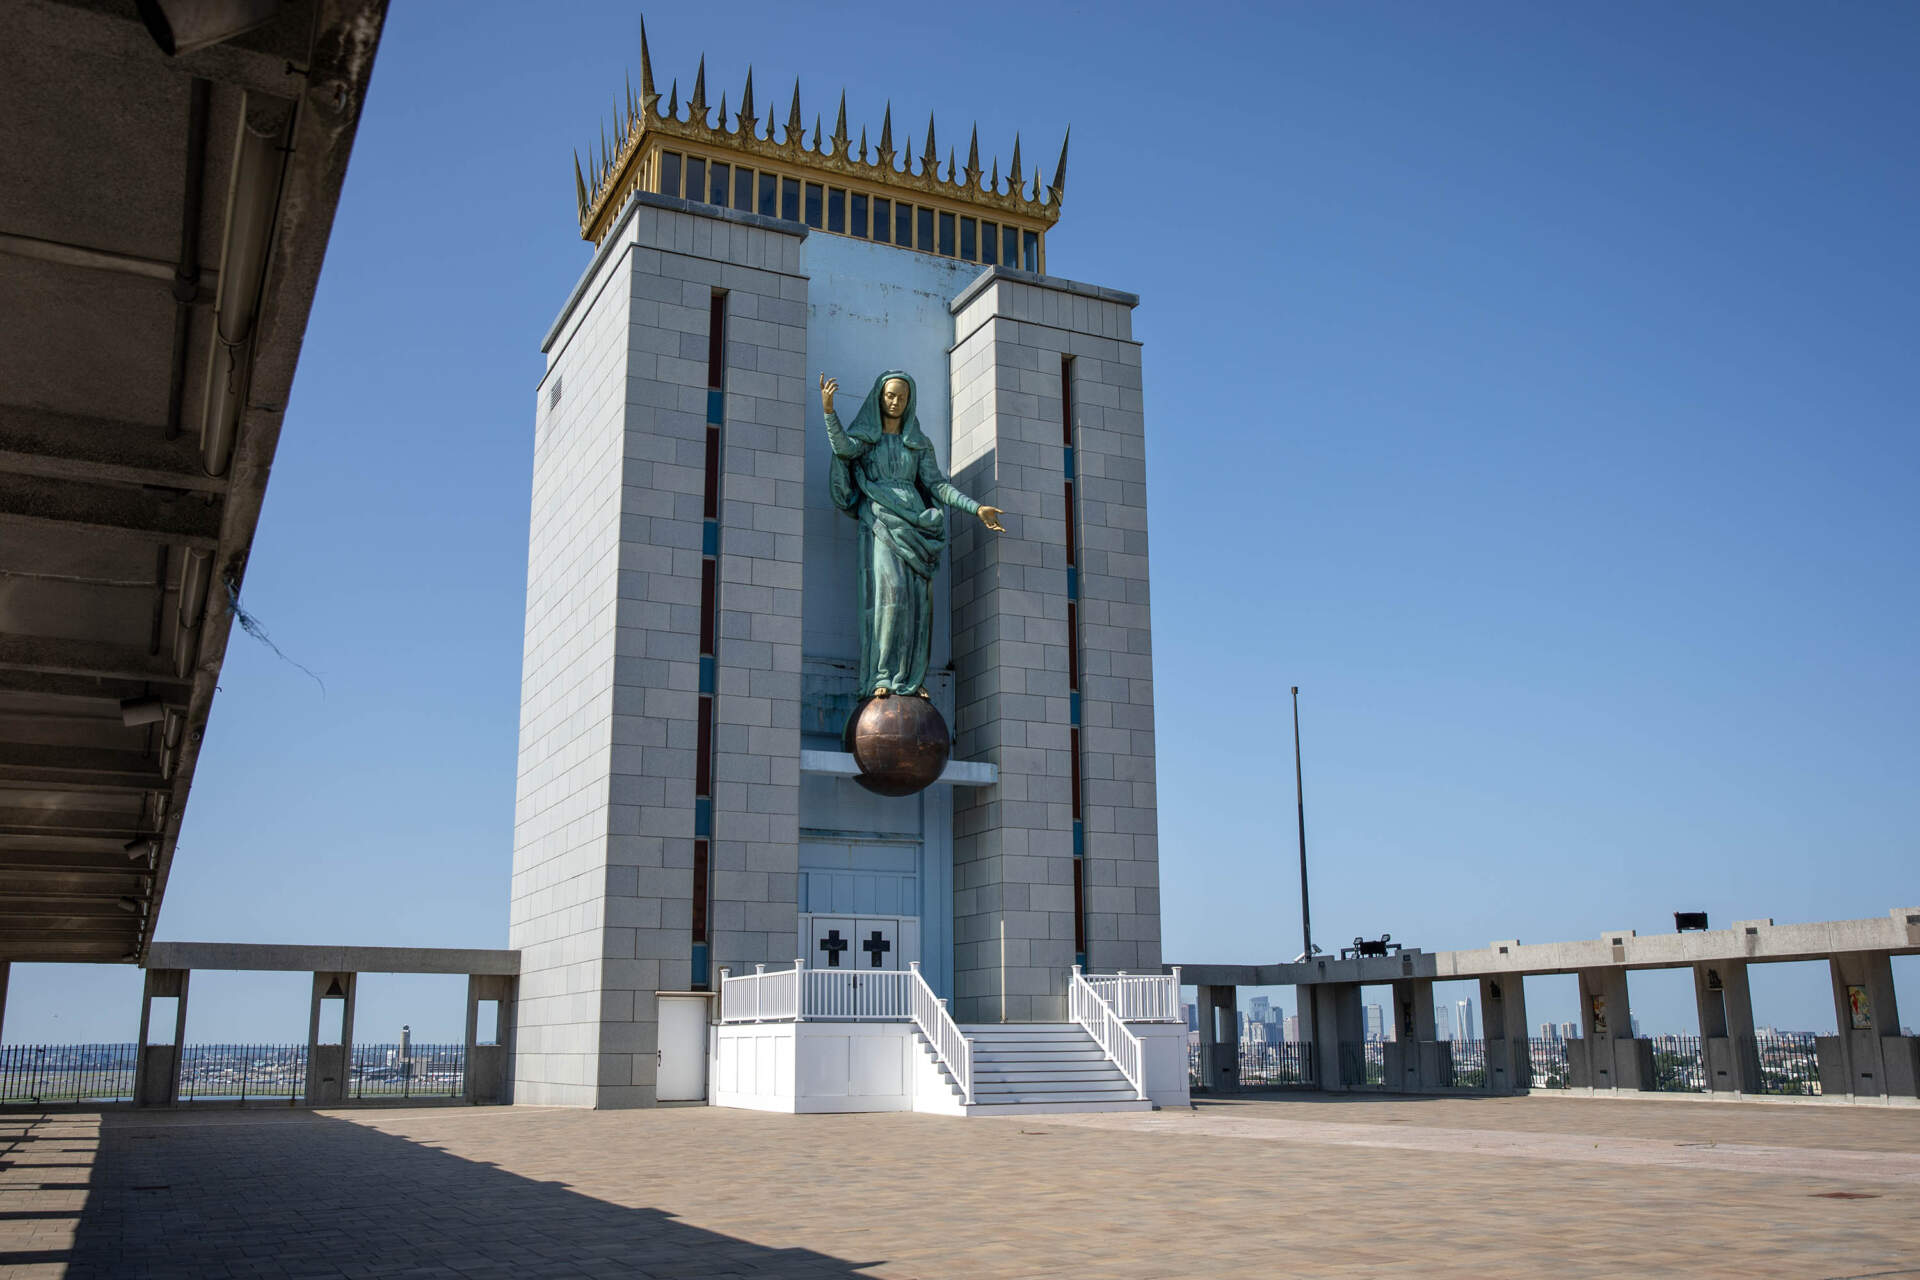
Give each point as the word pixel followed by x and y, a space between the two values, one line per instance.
pixel 311 1195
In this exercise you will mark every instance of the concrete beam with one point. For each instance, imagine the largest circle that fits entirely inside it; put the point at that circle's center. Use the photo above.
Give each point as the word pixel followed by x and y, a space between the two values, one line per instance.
pixel 172 691
pixel 79 768
pixel 92 450
pixel 66 824
pixel 1898 933
pixel 149 516
pixel 52 655
pixel 272 957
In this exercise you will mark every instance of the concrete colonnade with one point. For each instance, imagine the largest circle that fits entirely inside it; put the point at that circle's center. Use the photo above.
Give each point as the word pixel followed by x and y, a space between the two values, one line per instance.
pixel 491 976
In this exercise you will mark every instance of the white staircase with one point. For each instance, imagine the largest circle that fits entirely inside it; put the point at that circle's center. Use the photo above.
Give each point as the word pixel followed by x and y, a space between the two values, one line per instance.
pixel 1039 1067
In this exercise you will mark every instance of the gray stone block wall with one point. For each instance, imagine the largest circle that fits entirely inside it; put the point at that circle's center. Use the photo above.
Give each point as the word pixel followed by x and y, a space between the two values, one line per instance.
pixel 603 861
pixel 1013 843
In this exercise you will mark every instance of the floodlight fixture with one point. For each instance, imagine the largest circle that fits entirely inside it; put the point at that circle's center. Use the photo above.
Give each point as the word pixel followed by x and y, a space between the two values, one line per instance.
pixel 182 26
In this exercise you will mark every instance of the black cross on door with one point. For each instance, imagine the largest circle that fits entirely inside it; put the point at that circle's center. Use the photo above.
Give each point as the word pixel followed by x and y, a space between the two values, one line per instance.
pixel 875 947
pixel 833 944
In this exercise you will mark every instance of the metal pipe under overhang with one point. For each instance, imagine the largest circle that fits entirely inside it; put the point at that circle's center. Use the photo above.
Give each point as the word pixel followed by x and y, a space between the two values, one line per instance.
pixel 196 572
pixel 252 197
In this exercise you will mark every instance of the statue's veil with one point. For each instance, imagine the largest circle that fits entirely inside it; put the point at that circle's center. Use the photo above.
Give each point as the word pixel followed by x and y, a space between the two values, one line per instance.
pixel 866 429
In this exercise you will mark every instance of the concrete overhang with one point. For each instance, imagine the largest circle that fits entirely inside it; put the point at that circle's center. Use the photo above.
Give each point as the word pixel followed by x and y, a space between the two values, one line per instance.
pixel 149 208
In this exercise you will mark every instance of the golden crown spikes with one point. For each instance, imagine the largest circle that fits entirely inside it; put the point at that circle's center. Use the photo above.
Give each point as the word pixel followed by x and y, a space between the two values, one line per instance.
pixel 613 170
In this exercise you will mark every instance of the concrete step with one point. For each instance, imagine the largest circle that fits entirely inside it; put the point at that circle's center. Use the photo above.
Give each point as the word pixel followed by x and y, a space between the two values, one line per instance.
pixel 1052 1108
pixel 1004 1028
pixel 1089 1072
pixel 987 1088
pixel 1009 1103
pixel 1040 1056
pixel 992 1048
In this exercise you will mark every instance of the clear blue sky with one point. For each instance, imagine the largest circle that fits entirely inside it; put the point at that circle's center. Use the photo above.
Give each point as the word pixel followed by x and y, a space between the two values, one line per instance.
pixel 1533 385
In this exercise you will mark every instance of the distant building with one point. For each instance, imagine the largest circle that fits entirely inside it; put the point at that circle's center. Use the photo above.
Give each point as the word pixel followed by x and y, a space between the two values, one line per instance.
pixel 1568 1031
pixel 1193 1017
pixel 1293 1028
pixel 1549 1032
pixel 1442 1022
pixel 1465 1026
pixel 1633 1024
pixel 1376 1023
pixel 1257 1008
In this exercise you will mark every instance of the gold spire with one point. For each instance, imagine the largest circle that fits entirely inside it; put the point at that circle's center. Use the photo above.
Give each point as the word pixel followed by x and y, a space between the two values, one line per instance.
pixel 627 162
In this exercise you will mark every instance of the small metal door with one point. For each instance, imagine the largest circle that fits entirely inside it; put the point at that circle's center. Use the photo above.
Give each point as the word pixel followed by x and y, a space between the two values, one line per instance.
pixel 683 1049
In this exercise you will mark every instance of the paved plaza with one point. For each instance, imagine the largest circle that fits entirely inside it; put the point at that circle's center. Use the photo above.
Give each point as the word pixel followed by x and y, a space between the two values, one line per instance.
pixel 1303 1186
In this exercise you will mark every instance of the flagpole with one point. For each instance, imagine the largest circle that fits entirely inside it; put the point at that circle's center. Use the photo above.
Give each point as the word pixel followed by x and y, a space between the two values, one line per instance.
pixel 1300 798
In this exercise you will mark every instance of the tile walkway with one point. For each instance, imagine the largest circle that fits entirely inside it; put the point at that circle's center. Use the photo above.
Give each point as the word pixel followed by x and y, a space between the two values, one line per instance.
pixel 1450 1187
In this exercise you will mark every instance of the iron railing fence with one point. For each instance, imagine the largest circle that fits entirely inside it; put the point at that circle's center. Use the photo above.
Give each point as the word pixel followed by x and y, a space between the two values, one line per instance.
pixel 1363 1064
pixel 424 1071
pixel 1788 1064
pixel 1469 1064
pixel 45 1073
pixel 1550 1069
pixel 1262 1066
pixel 1679 1064
pixel 243 1073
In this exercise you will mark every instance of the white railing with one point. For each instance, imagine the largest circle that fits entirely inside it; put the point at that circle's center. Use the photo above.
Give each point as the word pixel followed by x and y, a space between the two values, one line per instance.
pixel 760 996
pixel 854 995
pixel 942 1032
pixel 1109 1031
pixel 1141 997
pixel 801 994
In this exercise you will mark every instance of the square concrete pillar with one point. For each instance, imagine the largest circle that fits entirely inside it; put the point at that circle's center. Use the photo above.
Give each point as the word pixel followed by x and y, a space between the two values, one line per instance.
pixel 489 1075
pixel 1219 1038
pixel 330 1063
pixel 1865 1011
pixel 1614 1058
pixel 1503 1015
pixel 157 1067
pixel 1725 1005
pixel 1339 1034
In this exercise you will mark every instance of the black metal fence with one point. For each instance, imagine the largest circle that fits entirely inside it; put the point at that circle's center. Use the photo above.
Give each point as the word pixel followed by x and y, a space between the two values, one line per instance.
pixel 1550 1069
pixel 1262 1066
pixel 1788 1064
pixel 1679 1065
pixel 43 1074
pixel 48 1073
pixel 243 1073
pixel 423 1071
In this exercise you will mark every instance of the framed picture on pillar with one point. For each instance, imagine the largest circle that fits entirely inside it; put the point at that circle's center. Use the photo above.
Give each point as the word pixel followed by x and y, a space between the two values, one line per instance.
pixel 1859 1011
pixel 1599 1015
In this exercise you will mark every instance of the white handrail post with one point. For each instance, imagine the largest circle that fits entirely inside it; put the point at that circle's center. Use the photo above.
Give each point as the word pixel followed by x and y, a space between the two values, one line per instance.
pixel 721 991
pixel 799 989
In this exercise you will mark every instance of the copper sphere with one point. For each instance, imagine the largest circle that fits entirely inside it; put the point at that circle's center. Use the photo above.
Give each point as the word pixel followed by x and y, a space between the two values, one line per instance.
pixel 900 742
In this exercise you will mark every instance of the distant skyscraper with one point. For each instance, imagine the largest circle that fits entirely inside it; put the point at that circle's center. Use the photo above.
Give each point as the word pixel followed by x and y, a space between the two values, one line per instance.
pixel 1193 1017
pixel 1293 1028
pixel 1548 1033
pixel 1376 1022
pixel 1466 1026
pixel 1568 1031
pixel 1634 1023
pixel 1257 1008
pixel 1442 1023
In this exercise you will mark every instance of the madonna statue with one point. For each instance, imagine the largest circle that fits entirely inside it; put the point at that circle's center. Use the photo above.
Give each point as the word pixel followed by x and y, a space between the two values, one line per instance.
pixel 885 475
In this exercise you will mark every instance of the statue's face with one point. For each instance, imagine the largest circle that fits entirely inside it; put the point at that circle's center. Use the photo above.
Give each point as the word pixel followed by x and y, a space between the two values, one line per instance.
pixel 893 397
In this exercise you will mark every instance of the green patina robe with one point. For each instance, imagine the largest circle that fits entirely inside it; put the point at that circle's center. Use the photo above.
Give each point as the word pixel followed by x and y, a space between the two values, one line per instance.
pixel 893 485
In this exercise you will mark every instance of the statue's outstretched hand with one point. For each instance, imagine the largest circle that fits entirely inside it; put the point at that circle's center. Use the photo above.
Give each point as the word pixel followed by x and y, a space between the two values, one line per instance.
pixel 990 517
pixel 827 387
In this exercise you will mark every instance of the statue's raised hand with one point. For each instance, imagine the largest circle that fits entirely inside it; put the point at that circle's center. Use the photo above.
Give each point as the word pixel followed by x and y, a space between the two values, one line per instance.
pixel 990 517
pixel 827 387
